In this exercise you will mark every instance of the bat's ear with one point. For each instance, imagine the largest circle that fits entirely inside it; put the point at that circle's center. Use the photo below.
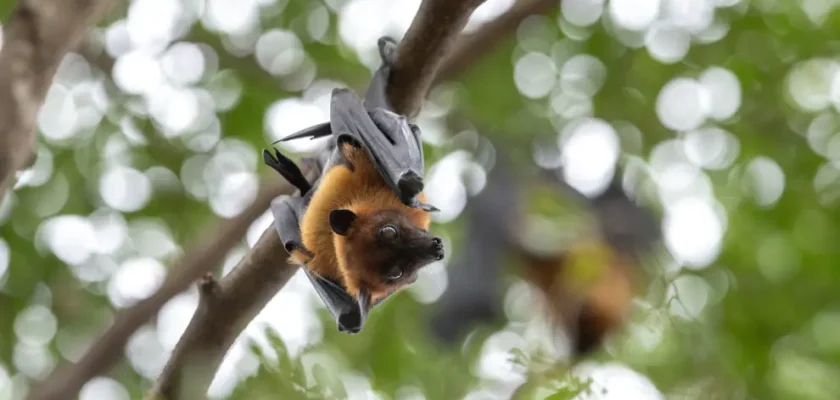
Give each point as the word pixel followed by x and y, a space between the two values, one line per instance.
pixel 341 220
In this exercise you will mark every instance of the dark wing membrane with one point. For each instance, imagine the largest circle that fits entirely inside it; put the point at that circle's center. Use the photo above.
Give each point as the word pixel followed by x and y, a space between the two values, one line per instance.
pixel 344 308
pixel 349 316
pixel 395 153
pixel 287 212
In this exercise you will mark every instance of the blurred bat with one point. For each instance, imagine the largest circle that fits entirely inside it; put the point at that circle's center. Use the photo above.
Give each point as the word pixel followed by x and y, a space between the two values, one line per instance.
pixel 588 285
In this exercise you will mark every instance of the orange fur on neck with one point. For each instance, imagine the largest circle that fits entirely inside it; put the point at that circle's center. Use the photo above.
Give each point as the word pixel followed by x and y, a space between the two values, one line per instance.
pixel 363 191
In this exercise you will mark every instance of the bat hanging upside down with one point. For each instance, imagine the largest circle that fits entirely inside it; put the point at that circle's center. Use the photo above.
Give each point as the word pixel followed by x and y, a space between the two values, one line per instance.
pixel 362 230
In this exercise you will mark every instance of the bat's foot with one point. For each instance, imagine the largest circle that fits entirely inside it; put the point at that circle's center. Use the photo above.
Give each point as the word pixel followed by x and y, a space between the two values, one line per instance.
pixel 387 50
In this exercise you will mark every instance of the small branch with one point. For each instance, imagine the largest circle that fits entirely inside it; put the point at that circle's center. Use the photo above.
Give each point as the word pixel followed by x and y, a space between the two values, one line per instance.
pixel 487 37
pixel 67 380
pixel 225 308
pixel 429 39
pixel 36 38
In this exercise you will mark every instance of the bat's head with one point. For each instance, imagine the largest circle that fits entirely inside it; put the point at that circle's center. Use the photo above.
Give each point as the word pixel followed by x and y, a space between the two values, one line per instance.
pixel 382 250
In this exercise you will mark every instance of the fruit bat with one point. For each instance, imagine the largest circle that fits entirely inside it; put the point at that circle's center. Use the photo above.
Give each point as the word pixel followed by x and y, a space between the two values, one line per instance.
pixel 365 216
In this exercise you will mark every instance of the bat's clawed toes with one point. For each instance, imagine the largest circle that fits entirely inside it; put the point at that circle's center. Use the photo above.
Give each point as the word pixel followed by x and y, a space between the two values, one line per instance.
pixel 387 49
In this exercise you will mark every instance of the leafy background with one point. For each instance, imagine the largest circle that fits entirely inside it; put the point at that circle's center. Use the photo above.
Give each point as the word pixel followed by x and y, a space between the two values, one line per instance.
pixel 726 116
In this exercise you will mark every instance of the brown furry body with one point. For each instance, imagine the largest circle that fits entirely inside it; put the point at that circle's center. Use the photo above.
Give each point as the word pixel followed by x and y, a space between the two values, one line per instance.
pixel 593 306
pixel 348 259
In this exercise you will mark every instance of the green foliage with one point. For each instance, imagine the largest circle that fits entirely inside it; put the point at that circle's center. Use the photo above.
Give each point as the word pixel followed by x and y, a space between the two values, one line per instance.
pixel 770 316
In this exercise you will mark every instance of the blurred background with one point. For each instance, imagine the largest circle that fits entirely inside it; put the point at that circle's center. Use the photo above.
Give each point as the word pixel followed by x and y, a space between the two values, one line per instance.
pixel 720 116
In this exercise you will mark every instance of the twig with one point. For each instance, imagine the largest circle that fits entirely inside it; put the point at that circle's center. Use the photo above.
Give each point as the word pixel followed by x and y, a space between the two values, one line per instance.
pixel 67 380
pixel 238 297
pixel 36 38
pixel 225 308
pixel 471 47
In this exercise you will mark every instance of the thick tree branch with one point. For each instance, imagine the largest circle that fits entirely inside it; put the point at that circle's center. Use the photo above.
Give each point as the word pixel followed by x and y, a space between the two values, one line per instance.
pixel 67 380
pixel 36 38
pixel 429 40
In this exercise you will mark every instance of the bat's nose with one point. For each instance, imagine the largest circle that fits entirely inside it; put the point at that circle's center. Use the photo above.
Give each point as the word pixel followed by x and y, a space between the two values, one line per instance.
pixel 437 248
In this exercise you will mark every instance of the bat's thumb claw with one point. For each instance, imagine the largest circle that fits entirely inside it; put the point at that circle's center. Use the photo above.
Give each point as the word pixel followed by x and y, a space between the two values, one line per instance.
pixel 410 184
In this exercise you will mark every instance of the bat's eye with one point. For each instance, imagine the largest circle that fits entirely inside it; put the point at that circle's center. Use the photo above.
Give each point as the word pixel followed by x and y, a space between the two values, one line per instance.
pixel 395 274
pixel 388 232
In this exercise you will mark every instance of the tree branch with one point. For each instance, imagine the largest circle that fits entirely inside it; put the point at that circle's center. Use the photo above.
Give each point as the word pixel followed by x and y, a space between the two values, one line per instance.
pixel 421 51
pixel 36 38
pixel 473 46
pixel 224 309
pixel 227 306
pixel 67 380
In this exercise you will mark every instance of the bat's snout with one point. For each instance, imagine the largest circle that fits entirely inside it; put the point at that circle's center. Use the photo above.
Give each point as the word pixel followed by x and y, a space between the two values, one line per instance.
pixel 436 248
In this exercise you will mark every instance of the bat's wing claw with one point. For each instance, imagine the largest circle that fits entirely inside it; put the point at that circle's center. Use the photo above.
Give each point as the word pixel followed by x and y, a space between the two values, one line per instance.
pixel 410 185
pixel 287 212
pixel 287 169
